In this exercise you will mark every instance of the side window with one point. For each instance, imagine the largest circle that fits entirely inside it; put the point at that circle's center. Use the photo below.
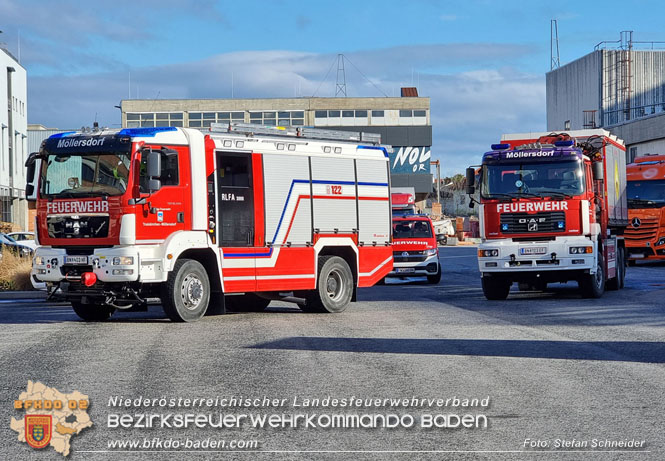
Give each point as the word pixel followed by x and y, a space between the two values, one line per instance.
pixel 168 174
pixel 234 171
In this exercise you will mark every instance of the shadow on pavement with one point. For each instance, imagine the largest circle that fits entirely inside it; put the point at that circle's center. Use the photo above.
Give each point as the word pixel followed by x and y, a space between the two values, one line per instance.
pixel 617 351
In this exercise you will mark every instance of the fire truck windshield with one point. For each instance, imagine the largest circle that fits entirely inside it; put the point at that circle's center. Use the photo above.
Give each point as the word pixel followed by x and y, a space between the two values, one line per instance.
pixel 528 179
pixel 85 175
pixel 646 194
pixel 404 229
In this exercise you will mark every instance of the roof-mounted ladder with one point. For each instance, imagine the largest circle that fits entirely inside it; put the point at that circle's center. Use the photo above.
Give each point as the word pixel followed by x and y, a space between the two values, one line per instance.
pixel 250 129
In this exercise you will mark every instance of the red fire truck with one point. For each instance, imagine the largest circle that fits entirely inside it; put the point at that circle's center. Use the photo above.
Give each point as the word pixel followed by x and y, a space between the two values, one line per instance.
pixel 552 209
pixel 233 218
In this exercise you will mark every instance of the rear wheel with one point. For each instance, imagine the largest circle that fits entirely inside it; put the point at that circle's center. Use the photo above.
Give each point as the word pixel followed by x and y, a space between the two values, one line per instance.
pixel 92 312
pixel 334 287
pixel 248 302
pixel 495 288
pixel 593 285
pixel 186 293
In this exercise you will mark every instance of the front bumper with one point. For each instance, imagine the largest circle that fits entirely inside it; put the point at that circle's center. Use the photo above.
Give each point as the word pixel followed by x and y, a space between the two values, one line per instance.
pixel 429 266
pixel 537 256
pixel 53 265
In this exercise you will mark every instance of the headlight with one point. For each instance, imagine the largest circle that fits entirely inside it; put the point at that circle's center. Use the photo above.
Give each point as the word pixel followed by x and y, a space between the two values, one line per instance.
pixel 488 253
pixel 123 260
pixel 40 261
pixel 661 241
pixel 580 250
pixel 430 252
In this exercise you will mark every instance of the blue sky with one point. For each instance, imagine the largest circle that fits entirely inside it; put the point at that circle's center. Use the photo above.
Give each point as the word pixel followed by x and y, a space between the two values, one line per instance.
pixel 482 63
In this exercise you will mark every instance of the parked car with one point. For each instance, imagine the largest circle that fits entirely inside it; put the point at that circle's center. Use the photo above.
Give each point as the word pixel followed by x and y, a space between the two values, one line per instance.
pixel 24 238
pixel 9 244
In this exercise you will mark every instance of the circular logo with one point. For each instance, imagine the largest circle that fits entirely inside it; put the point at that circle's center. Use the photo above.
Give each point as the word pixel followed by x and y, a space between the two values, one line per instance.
pixel 636 222
pixel 518 183
pixel 405 253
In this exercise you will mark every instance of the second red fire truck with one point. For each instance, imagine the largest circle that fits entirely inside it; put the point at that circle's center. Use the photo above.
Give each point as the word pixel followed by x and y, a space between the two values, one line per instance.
pixel 234 218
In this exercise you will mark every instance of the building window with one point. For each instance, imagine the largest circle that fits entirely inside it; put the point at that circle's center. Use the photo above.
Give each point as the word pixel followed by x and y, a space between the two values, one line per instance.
pixel 378 113
pixel 282 118
pixel 205 119
pixel 632 153
pixel 566 125
pixel 152 119
pixel 406 113
pixel 419 113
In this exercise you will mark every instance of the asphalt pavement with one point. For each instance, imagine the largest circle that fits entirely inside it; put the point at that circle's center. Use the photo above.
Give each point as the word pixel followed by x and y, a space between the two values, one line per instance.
pixel 556 370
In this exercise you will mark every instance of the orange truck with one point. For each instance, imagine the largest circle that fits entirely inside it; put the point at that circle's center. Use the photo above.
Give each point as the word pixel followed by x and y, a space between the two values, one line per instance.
pixel 645 235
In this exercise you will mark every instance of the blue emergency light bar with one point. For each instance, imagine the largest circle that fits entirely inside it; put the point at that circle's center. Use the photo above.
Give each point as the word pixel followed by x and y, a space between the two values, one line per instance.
pixel 502 146
pixel 145 132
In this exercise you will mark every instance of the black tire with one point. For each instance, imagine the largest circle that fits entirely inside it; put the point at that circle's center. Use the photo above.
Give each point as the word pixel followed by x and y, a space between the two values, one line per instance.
pixel 92 312
pixel 495 288
pixel 436 278
pixel 186 292
pixel 334 287
pixel 593 285
pixel 248 302
pixel 617 282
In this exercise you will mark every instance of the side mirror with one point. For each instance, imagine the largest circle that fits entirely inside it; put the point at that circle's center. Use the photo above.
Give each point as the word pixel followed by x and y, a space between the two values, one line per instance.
pixel 154 171
pixel 597 171
pixel 31 165
pixel 154 164
pixel 470 181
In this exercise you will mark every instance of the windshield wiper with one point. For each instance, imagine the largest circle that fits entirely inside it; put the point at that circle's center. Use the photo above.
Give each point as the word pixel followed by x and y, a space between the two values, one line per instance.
pixel 527 194
pixel 555 192
pixel 642 201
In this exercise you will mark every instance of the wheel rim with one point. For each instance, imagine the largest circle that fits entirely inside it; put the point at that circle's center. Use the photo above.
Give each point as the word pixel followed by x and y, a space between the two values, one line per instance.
pixel 599 276
pixel 191 291
pixel 335 285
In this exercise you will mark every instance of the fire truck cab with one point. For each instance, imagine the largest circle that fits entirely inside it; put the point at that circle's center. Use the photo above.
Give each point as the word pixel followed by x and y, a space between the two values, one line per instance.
pixel 233 218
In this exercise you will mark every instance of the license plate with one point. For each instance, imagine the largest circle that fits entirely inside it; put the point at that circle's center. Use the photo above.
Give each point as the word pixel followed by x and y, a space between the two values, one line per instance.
pixel 533 251
pixel 636 255
pixel 405 270
pixel 76 260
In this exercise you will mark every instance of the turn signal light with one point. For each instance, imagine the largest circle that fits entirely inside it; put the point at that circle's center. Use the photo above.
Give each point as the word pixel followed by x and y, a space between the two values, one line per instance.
pixel 89 279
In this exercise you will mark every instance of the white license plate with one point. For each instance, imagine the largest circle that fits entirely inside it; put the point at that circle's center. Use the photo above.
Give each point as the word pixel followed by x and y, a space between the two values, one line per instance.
pixel 636 255
pixel 533 251
pixel 405 270
pixel 76 260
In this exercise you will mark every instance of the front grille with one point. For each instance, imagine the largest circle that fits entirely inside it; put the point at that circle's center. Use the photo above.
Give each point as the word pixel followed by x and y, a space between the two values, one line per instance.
pixel 646 231
pixel 78 226
pixel 523 223
pixel 409 257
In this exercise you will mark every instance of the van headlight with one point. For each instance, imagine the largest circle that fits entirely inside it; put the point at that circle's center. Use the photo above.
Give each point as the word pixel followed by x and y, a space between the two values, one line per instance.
pixel 430 252
pixel 123 260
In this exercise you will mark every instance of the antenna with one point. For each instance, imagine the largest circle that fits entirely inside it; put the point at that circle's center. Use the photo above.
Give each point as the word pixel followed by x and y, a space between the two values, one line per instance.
pixel 340 86
pixel 555 62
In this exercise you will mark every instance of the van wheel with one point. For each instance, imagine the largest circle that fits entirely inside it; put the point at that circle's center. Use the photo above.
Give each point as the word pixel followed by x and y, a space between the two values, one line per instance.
pixel 246 303
pixel 593 285
pixel 495 289
pixel 436 278
pixel 186 293
pixel 334 287
pixel 92 312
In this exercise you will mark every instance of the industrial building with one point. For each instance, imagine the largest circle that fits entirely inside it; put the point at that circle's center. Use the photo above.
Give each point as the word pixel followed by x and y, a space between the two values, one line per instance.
pixel 403 123
pixel 13 141
pixel 620 87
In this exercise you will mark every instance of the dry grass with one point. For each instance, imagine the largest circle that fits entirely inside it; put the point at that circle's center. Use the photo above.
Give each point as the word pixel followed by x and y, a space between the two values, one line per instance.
pixel 14 272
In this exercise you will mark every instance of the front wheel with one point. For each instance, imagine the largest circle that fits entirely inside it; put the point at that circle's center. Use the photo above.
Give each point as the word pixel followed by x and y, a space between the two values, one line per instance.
pixel 186 292
pixel 593 285
pixel 495 289
pixel 334 287
pixel 92 312
pixel 436 278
